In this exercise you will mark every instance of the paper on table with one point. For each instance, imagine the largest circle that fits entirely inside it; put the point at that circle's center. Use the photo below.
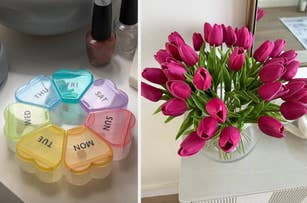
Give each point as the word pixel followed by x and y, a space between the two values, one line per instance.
pixel 298 27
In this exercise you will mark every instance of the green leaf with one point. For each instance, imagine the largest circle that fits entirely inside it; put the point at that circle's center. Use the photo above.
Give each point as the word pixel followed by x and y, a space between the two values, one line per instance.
pixel 157 110
pixel 169 119
pixel 185 124
pixel 198 103
pixel 165 97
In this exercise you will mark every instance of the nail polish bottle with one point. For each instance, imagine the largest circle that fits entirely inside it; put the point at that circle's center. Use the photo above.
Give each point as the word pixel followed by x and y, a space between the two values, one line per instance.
pixel 100 41
pixel 127 28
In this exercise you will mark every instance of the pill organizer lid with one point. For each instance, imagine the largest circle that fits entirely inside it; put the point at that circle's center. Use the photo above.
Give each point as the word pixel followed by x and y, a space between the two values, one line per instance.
pixel 72 84
pixel 114 125
pixel 103 94
pixel 43 147
pixel 84 149
pixel 39 91
pixel 23 118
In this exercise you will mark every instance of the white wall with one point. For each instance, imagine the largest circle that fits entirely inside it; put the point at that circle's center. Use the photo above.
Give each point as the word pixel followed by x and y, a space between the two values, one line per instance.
pixel 277 3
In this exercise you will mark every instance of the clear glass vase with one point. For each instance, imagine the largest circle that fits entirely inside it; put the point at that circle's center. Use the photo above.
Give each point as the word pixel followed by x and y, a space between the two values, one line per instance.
pixel 249 139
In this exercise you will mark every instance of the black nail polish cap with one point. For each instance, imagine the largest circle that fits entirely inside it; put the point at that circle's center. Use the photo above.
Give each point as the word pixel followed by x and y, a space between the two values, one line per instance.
pixel 102 20
pixel 129 12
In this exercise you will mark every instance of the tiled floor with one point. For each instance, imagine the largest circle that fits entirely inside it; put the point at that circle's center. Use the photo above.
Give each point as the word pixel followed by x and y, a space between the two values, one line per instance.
pixel 161 199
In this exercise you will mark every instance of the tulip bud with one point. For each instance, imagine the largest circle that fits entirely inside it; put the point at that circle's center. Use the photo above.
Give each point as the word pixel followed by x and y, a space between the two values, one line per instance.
pixel 270 91
pixel 207 30
pixel 292 110
pixel 229 35
pixel 297 96
pixel 179 89
pixel 279 45
pixel 174 107
pixel 202 79
pixel 188 55
pixel 191 145
pixel 154 75
pixel 291 70
pixel 151 93
pixel 161 56
pixel 294 86
pixel 271 73
pixel 289 55
pixel 197 41
pixel 175 38
pixel 207 128
pixel 172 50
pixel 174 71
pixel 271 126
pixel 244 38
pixel 264 51
pixel 229 139
pixel 260 13
pixel 236 59
pixel 217 109
pixel 216 35
pixel 279 60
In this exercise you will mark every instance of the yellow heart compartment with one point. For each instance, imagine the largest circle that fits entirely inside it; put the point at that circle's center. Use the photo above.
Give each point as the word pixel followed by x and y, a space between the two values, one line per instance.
pixel 51 152
pixel 86 156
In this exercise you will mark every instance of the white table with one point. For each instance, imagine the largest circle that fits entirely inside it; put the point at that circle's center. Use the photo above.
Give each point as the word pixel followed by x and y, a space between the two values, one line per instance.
pixel 30 56
pixel 274 165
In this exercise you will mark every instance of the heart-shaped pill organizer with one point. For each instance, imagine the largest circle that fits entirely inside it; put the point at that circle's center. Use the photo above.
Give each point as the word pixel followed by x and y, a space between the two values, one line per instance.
pixel 99 126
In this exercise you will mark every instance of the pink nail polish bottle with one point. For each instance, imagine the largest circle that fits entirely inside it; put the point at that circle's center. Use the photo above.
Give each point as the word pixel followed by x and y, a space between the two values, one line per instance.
pixel 100 41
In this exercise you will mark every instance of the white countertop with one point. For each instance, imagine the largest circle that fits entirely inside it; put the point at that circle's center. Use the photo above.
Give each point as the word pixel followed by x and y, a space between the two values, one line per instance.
pixel 30 56
pixel 273 165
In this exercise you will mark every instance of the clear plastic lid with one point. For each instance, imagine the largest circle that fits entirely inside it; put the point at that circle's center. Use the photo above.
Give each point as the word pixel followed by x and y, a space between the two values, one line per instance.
pixel 38 91
pixel 103 94
pixel 21 119
pixel 113 125
pixel 42 147
pixel 72 84
pixel 85 149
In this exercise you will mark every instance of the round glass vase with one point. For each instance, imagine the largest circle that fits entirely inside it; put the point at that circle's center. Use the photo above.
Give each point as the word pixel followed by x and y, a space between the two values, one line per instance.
pixel 249 139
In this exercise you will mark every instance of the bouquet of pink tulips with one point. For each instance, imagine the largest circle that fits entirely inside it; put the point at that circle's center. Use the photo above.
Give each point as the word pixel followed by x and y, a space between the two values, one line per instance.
pixel 220 87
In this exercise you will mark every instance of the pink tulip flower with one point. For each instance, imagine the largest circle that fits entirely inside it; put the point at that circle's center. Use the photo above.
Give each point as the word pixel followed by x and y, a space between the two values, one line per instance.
pixel 197 41
pixel 279 45
pixel 191 145
pixel 175 38
pixel 236 59
pixel 174 107
pixel 291 70
pixel 244 38
pixel 174 71
pixel 229 139
pixel 207 128
pixel 207 30
pixel 298 96
pixel 188 55
pixel 154 75
pixel 264 50
pixel 229 35
pixel 279 60
pixel 151 93
pixel 260 14
pixel 217 109
pixel 179 89
pixel 289 55
pixel 270 91
pixel 271 126
pixel 161 56
pixel 172 50
pixel 293 110
pixel 202 79
pixel 271 73
pixel 216 35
